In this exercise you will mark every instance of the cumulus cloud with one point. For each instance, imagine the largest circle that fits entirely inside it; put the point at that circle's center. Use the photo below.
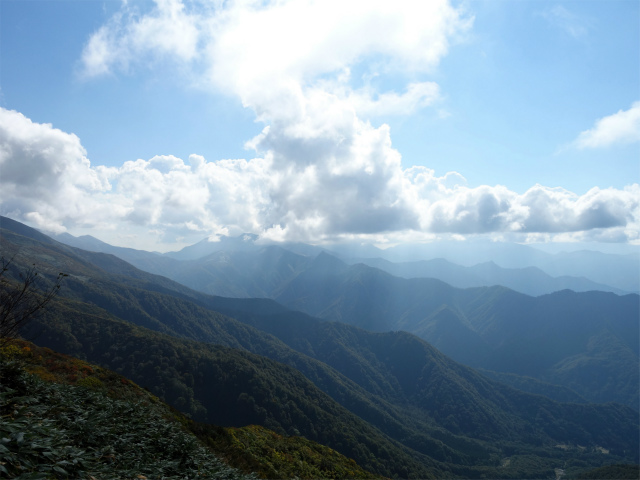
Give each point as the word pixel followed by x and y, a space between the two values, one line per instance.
pixel 360 191
pixel 540 209
pixel 290 62
pixel 47 180
pixel 270 54
pixel 622 127
pixel 167 31
pixel 366 102
pixel 480 210
pixel 45 172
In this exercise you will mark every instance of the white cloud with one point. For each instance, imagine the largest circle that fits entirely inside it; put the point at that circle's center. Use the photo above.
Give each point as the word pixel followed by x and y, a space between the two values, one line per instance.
pixel 167 31
pixel 557 210
pixel 269 54
pixel 622 127
pixel 44 172
pixel 290 62
pixel 467 211
pixel 359 191
pixel 417 96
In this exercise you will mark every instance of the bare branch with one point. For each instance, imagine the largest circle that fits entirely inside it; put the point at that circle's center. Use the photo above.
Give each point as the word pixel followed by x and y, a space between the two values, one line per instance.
pixel 23 300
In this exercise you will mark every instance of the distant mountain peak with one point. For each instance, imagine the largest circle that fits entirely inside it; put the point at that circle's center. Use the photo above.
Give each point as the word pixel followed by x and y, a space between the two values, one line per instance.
pixel 325 262
pixel 215 243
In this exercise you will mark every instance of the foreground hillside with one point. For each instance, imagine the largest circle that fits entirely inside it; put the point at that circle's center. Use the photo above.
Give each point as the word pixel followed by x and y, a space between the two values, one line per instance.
pixel 100 426
pixel 66 418
pixel 389 400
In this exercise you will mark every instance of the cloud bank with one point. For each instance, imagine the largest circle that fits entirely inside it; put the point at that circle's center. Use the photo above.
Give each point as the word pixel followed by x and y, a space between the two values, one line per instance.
pixel 321 169
pixel 359 191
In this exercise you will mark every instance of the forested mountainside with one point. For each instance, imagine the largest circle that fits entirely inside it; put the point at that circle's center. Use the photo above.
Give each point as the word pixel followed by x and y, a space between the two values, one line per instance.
pixel 587 341
pixel 406 408
pixel 233 387
pixel 564 345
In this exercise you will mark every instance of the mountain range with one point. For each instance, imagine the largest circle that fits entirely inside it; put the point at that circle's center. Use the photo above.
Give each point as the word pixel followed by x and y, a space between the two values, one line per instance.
pixel 617 270
pixel 528 280
pixel 388 399
pixel 578 345
pixel 517 267
pixel 584 341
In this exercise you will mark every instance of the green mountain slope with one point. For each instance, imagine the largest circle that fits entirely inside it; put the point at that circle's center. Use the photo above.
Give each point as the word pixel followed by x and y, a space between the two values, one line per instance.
pixel 224 386
pixel 229 387
pixel 586 341
pixel 273 456
pixel 598 363
pixel 414 373
pixel 590 368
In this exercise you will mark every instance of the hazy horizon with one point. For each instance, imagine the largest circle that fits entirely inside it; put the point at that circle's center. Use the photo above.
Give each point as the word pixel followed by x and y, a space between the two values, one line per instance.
pixel 547 247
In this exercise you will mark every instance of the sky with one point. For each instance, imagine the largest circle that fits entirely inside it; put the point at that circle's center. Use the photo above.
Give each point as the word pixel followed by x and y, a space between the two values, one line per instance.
pixel 155 124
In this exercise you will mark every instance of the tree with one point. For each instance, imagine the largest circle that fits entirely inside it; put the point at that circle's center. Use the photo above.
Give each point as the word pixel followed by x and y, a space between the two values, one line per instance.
pixel 22 300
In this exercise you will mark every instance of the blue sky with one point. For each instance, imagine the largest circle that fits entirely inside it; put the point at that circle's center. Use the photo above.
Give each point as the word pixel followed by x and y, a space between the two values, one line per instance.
pixel 387 122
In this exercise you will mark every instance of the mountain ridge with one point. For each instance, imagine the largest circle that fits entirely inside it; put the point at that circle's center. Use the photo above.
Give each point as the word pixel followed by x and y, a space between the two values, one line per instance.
pixel 502 330
pixel 449 328
pixel 518 276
